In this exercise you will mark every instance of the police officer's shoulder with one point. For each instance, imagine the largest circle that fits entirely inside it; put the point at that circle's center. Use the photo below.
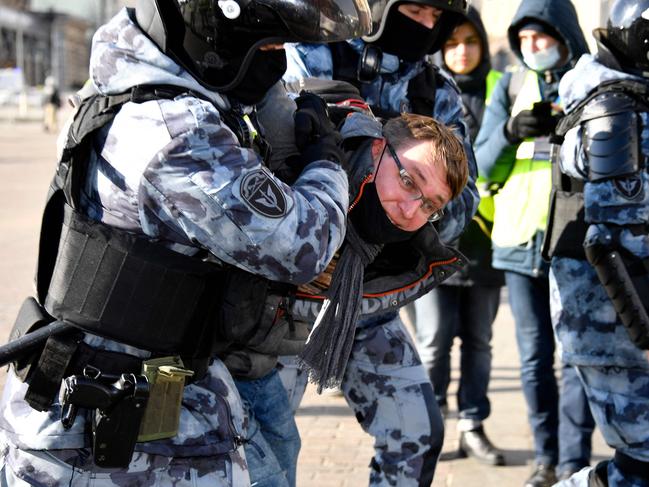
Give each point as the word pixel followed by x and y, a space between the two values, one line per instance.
pixel 443 78
pixel 608 103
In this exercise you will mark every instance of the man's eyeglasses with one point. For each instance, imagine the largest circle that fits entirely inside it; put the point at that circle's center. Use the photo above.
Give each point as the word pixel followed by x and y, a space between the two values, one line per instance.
pixel 433 213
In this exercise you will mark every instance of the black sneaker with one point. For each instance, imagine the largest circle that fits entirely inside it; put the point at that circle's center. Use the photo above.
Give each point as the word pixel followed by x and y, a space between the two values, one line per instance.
pixel 475 444
pixel 543 476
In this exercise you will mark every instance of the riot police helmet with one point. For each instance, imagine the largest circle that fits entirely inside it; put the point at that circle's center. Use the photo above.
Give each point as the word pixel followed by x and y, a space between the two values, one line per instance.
pixel 453 13
pixel 215 40
pixel 627 35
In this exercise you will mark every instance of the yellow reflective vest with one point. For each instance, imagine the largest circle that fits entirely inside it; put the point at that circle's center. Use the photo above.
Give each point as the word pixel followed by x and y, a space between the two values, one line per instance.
pixel 485 215
pixel 521 205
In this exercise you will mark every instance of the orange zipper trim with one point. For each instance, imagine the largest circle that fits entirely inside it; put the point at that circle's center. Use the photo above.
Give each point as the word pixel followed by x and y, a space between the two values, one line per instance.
pixel 393 291
pixel 360 192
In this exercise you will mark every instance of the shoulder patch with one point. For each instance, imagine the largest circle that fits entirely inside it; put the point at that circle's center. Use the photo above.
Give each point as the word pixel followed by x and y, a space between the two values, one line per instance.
pixel 263 194
pixel 629 187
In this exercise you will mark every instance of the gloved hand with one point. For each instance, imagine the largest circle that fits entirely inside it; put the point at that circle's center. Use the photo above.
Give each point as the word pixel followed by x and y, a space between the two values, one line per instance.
pixel 422 90
pixel 315 135
pixel 529 123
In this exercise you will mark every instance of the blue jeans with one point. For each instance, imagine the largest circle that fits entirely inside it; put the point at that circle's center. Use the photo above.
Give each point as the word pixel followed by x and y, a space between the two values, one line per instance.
pixel 467 312
pixel 273 441
pixel 562 429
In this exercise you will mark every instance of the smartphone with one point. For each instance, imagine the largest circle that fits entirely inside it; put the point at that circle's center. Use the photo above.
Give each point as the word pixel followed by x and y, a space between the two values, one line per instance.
pixel 542 109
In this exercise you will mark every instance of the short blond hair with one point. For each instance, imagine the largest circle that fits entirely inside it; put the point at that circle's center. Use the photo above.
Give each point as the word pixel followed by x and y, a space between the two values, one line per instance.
pixel 447 148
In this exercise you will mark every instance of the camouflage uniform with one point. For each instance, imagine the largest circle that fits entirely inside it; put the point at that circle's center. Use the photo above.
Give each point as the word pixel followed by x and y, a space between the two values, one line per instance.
pixel 614 371
pixel 172 170
pixel 386 383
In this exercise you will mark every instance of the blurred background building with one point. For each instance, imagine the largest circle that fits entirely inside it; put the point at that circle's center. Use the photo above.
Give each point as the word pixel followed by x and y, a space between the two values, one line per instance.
pixel 39 38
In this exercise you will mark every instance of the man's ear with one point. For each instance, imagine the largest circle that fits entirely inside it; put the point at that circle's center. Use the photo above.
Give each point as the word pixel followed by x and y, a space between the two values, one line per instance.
pixel 377 149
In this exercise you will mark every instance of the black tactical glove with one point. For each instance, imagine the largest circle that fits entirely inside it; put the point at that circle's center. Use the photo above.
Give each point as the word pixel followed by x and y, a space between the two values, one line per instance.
pixel 530 123
pixel 422 90
pixel 315 135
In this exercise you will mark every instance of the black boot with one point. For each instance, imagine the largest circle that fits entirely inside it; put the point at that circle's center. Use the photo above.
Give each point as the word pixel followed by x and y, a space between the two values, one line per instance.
pixel 474 443
pixel 543 476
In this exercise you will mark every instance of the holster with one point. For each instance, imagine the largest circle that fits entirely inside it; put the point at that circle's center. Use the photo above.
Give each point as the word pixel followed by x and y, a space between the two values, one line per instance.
pixel 31 317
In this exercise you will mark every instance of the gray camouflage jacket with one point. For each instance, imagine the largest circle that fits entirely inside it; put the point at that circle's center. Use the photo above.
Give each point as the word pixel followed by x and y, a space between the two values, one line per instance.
pixel 171 170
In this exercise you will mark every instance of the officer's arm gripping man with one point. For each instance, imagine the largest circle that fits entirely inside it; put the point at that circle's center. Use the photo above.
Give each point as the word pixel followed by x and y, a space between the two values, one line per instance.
pixel 202 185
pixel 609 158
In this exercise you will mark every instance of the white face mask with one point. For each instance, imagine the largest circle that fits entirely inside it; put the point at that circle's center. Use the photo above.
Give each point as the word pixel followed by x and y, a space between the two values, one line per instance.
pixel 543 60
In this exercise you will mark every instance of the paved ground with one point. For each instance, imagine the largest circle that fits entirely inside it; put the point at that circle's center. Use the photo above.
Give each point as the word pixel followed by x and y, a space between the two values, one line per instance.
pixel 335 450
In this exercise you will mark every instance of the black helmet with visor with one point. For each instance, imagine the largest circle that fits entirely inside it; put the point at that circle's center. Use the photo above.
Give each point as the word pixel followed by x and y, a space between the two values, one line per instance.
pixel 215 40
pixel 627 35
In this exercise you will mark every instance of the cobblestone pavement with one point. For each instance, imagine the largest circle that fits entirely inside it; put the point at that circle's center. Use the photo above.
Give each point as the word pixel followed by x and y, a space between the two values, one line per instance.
pixel 335 451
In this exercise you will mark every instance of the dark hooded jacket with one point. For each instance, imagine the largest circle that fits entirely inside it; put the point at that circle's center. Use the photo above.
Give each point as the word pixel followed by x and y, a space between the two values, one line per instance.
pixel 474 243
pixel 473 86
pixel 494 153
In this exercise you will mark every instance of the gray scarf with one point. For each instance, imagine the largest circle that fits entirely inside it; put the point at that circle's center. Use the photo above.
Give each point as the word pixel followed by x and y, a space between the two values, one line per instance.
pixel 330 343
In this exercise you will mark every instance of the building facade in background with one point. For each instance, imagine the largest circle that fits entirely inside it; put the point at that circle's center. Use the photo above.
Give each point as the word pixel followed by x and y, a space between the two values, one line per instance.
pixel 39 38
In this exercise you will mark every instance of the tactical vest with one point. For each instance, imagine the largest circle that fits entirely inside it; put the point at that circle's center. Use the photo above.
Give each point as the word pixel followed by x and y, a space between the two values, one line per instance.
pixel 124 286
pixel 521 205
pixel 566 228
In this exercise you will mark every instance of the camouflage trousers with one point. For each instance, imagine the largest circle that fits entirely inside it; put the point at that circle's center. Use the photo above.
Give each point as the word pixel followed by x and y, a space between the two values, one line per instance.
pixel 390 392
pixel 75 468
pixel 614 372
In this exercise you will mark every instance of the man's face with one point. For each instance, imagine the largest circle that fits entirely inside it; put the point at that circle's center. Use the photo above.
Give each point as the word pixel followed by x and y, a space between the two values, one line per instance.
pixel 533 41
pixel 428 179
pixel 426 15
pixel 463 50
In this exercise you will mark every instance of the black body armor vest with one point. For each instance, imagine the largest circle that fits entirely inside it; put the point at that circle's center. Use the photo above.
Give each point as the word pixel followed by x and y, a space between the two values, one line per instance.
pixel 566 227
pixel 121 285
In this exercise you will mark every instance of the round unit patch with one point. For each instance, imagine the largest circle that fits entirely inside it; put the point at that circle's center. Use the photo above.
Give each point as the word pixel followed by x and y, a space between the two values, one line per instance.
pixel 630 187
pixel 263 194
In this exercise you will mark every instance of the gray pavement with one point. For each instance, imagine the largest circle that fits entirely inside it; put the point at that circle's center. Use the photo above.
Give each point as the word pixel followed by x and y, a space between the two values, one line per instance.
pixel 335 451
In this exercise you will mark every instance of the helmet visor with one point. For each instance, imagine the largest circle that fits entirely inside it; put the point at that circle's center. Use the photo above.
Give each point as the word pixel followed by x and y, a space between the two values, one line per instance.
pixel 624 14
pixel 285 20
pixel 322 20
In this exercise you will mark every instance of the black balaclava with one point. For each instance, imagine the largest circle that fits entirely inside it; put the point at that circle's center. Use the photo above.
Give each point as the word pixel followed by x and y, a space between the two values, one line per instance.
pixel 406 38
pixel 371 221
pixel 265 69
